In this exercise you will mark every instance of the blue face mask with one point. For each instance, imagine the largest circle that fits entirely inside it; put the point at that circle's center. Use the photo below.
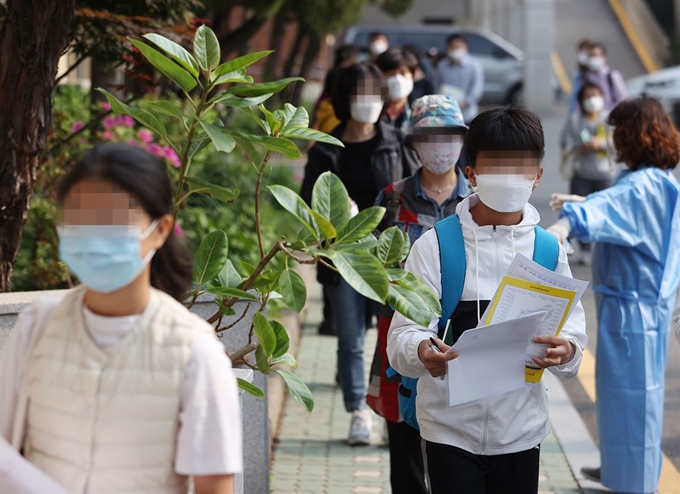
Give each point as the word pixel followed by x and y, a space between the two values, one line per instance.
pixel 104 257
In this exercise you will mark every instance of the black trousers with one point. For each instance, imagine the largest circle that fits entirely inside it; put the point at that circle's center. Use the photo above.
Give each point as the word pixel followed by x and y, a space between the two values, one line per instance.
pixel 452 470
pixel 407 472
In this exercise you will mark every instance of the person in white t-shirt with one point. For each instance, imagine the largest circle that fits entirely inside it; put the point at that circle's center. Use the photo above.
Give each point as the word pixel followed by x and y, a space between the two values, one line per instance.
pixel 115 386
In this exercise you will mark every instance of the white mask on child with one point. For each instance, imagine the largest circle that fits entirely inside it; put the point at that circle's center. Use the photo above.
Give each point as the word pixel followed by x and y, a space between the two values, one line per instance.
pixel 594 104
pixel 366 109
pixel 506 193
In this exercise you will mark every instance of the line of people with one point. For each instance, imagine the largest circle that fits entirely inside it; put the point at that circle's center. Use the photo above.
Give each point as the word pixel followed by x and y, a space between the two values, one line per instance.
pixel 485 172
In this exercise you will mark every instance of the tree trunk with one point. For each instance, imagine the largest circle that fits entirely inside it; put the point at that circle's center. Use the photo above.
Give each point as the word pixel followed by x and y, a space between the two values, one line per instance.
pixel 32 39
pixel 308 57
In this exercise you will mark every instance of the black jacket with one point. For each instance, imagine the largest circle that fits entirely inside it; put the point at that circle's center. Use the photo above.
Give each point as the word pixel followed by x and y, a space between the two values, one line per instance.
pixel 391 160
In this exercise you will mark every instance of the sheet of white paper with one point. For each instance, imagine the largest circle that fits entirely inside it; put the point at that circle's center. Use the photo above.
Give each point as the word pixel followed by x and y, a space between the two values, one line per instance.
pixel 491 361
pixel 517 302
pixel 19 476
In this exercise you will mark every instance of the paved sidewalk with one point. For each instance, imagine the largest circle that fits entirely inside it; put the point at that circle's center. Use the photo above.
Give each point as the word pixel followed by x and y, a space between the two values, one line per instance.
pixel 311 456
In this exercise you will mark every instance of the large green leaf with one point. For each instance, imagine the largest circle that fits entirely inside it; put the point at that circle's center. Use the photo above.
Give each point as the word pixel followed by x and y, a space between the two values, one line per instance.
pixel 395 274
pixel 262 359
pixel 299 119
pixel 259 89
pixel 269 118
pixel 325 227
pixel 285 359
pixel 408 303
pixel 391 246
pixel 210 257
pixel 364 273
pixel 311 135
pixel 423 290
pixel 362 224
pixel 222 139
pixel 265 333
pixel 293 290
pixel 165 107
pixel 282 145
pixel 229 277
pixel 206 48
pixel 218 192
pixel 238 102
pixel 250 388
pixel 282 339
pixel 330 200
pixel 297 388
pixel 294 204
pixel 166 66
pixel 288 113
pixel 177 52
pixel 241 62
pixel 231 77
pixel 263 124
pixel 407 246
pixel 225 291
pixel 146 118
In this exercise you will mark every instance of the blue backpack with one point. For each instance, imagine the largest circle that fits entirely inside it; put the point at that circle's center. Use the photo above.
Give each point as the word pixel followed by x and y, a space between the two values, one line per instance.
pixel 453 266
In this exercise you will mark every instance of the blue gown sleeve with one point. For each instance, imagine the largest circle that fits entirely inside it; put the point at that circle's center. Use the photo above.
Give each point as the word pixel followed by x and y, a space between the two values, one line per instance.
pixel 636 212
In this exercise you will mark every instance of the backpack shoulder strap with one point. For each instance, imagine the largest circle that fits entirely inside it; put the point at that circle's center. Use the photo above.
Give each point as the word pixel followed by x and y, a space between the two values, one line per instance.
pixel 546 249
pixel 453 265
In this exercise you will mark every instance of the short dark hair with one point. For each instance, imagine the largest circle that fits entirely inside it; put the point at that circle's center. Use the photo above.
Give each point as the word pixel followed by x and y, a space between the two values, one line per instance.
pixel 375 34
pixel 454 37
pixel 507 128
pixel 347 83
pixel 344 53
pixel 394 58
pixel 599 45
pixel 585 43
pixel 588 85
pixel 644 134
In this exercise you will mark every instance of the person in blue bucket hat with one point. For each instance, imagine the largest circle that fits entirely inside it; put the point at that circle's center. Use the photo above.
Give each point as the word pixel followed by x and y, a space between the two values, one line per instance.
pixel 415 204
pixel 635 226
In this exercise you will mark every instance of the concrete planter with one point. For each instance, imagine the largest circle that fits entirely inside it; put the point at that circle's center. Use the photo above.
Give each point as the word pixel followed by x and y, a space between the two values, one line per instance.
pixel 254 412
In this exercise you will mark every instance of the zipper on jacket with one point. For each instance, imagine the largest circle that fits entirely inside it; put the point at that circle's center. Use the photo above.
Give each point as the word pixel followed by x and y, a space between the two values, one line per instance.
pixel 487 408
pixel 498 252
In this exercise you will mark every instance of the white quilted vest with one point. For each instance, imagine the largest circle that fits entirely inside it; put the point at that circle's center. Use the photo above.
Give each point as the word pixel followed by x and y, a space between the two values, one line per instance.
pixel 106 420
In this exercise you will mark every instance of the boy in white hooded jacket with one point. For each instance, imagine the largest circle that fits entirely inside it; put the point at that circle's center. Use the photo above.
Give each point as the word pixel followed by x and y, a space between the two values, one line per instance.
pixel 495 446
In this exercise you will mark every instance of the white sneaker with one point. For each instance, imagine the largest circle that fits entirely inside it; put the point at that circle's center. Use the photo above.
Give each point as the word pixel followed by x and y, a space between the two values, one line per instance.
pixel 360 428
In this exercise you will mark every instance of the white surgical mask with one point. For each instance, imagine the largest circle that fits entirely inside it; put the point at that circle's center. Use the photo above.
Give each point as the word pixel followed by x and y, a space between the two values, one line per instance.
pixel 399 86
pixel 439 157
pixel 458 54
pixel 378 47
pixel 594 104
pixel 583 58
pixel 595 63
pixel 366 109
pixel 505 193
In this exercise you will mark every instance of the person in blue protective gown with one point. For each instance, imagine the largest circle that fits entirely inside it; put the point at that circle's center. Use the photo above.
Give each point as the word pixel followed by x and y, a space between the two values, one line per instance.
pixel 635 226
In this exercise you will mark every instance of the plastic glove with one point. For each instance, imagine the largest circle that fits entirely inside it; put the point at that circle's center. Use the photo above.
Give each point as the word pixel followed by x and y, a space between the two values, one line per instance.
pixel 560 230
pixel 353 208
pixel 558 200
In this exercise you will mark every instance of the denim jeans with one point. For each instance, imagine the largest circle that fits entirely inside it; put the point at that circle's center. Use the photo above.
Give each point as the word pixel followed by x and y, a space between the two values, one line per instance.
pixel 349 314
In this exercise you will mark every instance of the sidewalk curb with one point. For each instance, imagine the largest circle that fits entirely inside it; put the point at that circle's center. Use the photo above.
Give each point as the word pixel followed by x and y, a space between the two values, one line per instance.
pixel 572 434
pixel 276 388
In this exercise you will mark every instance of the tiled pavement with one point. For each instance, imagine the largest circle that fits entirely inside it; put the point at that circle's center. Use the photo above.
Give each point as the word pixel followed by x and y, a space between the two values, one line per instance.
pixel 310 455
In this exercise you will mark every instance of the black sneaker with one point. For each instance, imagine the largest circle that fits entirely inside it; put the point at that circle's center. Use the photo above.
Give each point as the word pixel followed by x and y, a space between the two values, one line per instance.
pixel 591 473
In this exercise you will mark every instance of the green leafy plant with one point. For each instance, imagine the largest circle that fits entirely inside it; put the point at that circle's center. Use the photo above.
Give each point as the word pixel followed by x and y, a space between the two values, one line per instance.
pixel 327 232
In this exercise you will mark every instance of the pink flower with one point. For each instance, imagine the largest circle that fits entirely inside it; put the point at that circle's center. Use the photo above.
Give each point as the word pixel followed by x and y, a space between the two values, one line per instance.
pixel 145 136
pixel 106 106
pixel 178 231
pixel 128 121
pixel 156 150
pixel 170 155
pixel 78 125
pixel 109 123
pixel 107 135
pixel 133 142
